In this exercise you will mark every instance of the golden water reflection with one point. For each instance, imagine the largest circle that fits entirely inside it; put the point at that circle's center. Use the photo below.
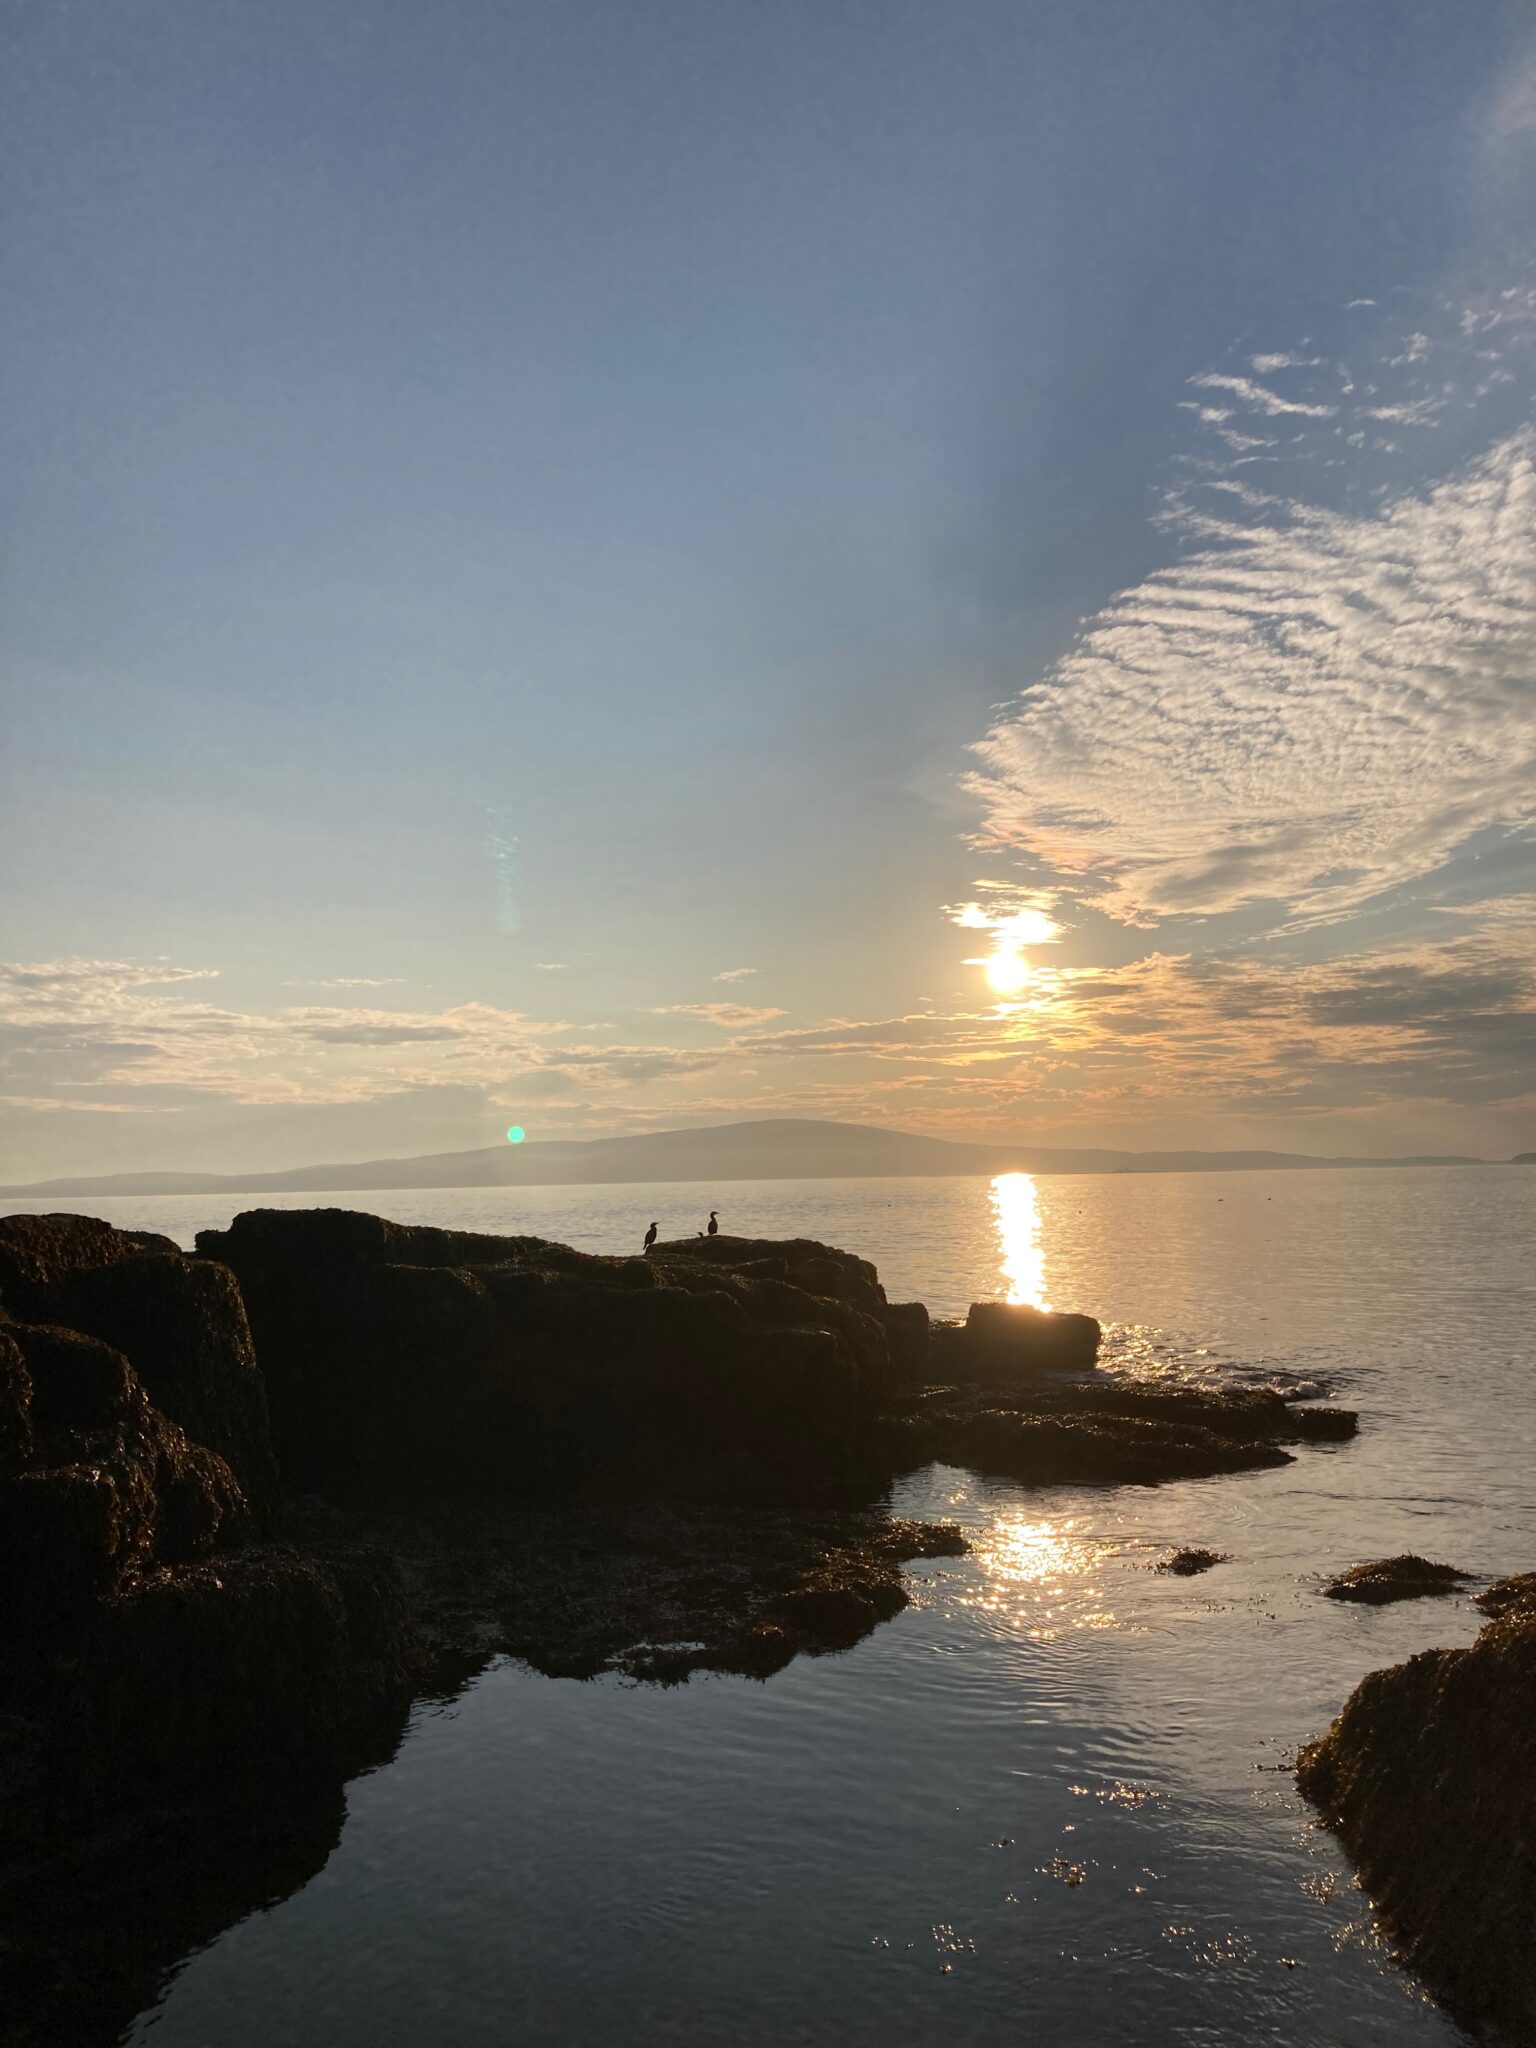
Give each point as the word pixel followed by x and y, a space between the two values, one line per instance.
pixel 1042 1574
pixel 1016 1208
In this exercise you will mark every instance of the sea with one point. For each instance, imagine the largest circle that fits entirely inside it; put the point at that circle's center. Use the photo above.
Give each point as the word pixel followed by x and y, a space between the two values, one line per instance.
pixel 1052 1802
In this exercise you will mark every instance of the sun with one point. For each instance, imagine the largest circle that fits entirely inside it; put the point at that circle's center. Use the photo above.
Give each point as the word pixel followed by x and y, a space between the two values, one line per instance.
pixel 1007 971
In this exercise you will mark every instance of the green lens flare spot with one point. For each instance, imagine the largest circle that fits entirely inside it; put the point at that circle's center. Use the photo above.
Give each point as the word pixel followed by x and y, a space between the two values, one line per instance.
pixel 516 1135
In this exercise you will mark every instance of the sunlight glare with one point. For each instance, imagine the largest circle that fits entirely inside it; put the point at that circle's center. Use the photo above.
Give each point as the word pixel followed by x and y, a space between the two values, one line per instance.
pixel 1043 1578
pixel 1017 1212
pixel 1007 971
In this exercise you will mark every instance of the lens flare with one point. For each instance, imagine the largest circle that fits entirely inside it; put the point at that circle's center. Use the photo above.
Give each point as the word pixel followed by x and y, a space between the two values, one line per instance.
pixel 516 1134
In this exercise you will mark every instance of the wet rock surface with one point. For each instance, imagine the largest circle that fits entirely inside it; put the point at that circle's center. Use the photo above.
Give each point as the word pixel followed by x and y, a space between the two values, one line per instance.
pixel 1109 1432
pixel 651 1591
pixel 1516 1595
pixel 1394 1578
pixel 1429 1778
pixel 1187 1563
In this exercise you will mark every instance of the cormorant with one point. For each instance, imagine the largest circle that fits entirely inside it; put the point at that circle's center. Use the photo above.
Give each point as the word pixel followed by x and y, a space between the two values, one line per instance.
pixel 714 1224
pixel 650 1237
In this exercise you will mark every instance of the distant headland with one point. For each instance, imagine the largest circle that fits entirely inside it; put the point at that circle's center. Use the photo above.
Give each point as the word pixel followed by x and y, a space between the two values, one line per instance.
pixel 779 1148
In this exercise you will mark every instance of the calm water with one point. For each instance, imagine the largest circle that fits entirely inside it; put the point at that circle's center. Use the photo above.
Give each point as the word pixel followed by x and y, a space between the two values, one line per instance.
pixel 1048 1803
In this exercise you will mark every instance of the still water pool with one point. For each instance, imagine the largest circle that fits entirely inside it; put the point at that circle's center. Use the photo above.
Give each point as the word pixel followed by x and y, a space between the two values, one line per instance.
pixel 1050 1802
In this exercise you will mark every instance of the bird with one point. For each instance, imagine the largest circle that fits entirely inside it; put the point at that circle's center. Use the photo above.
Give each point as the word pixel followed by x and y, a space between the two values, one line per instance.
pixel 650 1237
pixel 714 1224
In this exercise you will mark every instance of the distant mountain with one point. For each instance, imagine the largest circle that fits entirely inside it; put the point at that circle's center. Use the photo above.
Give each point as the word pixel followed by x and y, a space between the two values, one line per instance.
pixel 774 1149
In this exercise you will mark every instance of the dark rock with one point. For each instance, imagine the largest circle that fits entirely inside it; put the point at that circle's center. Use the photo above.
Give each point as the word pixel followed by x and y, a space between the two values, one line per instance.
pixel 655 1591
pixel 1429 1778
pixel 816 1269
pixel 907 1336
pixel 1001 1342
pixel 100 1488
pixel 1325 1425
pixel 827 1617
pixel 1184 1564
pixel 179 1322
pixel 1098 1449
pixel 400 1356
pixel 1394 1578
pixel 40 1255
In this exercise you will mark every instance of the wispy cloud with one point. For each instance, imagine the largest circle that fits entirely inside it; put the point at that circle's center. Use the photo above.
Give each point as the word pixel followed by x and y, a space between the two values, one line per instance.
pixel 1261 399
pixel 736 974
pixel 729 1016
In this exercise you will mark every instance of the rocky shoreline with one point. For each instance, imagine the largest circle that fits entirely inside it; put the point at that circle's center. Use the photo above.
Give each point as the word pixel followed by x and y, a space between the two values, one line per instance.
pixel 255 1500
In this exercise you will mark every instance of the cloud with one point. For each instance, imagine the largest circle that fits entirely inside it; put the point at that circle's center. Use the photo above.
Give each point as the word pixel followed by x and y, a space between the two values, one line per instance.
pixel 1259 398
pixel 351 981
pixel 96 978
pixel 729 1016
pixel 736 974
pixel 1314 703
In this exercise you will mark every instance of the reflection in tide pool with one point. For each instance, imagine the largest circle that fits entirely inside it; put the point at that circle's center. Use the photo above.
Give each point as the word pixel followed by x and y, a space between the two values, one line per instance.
pixel 1017 1210
pixel 1040 1575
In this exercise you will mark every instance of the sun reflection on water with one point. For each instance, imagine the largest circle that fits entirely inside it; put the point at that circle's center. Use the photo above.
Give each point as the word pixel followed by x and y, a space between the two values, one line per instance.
pixel 1017 1210
pixel 1041 1575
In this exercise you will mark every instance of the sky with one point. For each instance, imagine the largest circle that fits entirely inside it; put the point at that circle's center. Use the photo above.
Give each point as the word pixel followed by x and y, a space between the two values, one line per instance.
pixel 969 568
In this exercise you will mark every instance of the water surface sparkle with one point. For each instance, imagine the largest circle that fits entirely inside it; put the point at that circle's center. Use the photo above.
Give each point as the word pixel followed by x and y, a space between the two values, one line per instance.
pixel 1016 1209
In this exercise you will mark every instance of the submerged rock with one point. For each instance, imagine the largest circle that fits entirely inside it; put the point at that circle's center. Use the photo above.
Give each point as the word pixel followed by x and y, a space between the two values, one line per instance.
pixel 1429 1778
pixel 1394 1578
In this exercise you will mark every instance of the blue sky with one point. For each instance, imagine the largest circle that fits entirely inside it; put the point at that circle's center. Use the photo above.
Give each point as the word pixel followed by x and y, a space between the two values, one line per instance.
pixel 513 514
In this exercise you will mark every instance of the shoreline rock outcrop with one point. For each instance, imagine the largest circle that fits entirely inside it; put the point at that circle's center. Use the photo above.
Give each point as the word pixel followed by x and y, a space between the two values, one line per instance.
pixel 253 1501
pixel 1405 1577
pixel 1428 1777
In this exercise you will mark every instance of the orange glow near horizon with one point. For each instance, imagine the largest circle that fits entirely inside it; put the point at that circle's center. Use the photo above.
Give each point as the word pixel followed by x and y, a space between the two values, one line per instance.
pixel 1016 1208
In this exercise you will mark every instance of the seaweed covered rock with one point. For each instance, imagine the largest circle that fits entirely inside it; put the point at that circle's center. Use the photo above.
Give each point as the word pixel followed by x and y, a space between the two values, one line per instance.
pixel 421 1357
pixel 180 1323
pixel 1429 1778
pixel 1101 1450
pixel 1105 1431
pixel 1005 1341
pixel 1188 1562
pixel 1515 1595
pixel 1385 1579
pixel 97 1488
